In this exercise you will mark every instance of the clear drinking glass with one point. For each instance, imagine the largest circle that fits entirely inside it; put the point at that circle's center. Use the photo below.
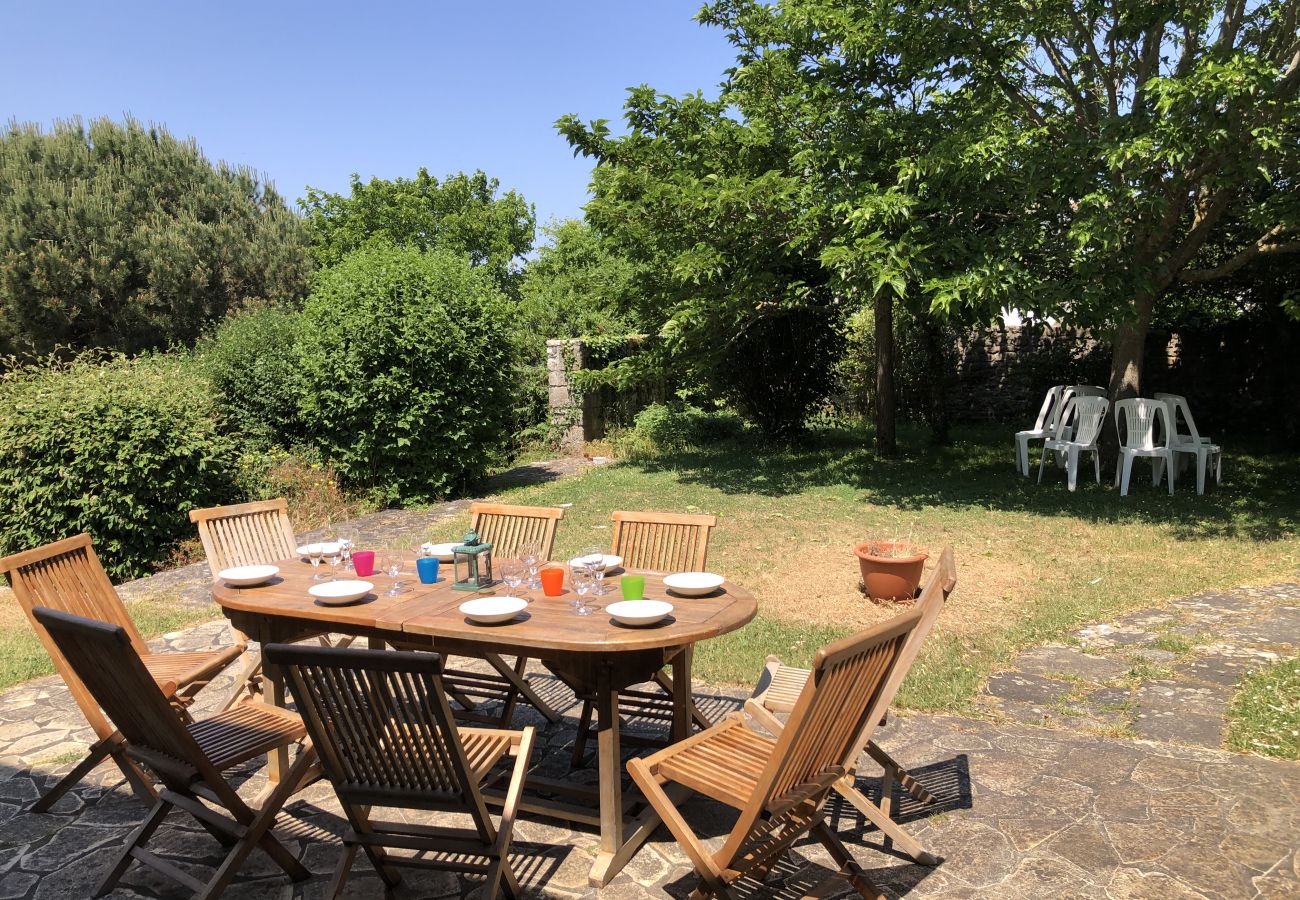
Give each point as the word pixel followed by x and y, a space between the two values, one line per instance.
pixel 334 556
pixel 512 575
pixel 314 553
pixel 594 559
pixel 581 580
pixel 530 553
pixel 347 543
pixel 393 569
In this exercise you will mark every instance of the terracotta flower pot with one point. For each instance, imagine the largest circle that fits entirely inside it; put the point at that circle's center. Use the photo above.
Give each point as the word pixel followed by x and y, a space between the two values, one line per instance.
pixel 889 577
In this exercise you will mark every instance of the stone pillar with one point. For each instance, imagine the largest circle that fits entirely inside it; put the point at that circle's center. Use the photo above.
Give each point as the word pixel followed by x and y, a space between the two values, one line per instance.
pixel 562 357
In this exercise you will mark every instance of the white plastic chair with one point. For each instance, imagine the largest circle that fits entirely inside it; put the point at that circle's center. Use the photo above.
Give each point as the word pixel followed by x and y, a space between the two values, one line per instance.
pixel 1044 426
pixel 1193 443
pixel 1135 420
pixel 1086 390
pixel 1085 416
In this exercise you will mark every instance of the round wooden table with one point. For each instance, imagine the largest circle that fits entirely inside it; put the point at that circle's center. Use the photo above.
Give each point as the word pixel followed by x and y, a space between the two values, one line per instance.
pixel 593 654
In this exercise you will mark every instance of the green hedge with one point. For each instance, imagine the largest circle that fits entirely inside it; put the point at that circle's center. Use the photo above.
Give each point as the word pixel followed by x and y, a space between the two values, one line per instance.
pixel 120 448
pixel 408 372
pixel 252 361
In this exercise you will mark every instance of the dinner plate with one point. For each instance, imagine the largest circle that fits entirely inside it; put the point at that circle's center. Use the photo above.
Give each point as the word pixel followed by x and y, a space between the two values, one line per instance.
pixel 693 584
pixel 611 561
pixel 338 593
pixel 327 549
pixel 491 610
pixel 440 552
pixel 639 612
pixel 247 576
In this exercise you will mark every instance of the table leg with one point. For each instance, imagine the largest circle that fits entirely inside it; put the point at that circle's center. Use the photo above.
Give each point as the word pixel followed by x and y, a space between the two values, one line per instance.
pixel 277 761
pixel 683 706
pixel 609 761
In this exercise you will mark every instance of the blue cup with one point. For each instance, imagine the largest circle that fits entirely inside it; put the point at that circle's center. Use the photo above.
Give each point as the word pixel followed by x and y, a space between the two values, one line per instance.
pixel 427 566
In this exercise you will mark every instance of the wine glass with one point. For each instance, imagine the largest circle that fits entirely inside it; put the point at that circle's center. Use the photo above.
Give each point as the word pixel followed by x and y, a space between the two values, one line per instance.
pixel 393 569
pixel 314 553
pixel 530 553
pixel 334 555
pixel 512 575
pixel 594 559
pixel 582 582
pixel 347 543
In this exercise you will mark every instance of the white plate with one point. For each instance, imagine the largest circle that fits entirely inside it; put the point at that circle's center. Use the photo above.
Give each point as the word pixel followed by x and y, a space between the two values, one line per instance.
pixel 326 549
pixel 247 576
pixel 488 610
pixel 440 552
pixel 337 593
pixel 611 561
pixel 639 612
pixel 693 584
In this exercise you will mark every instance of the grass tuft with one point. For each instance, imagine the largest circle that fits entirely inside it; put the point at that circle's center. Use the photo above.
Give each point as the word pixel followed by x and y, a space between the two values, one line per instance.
pixel 1265 715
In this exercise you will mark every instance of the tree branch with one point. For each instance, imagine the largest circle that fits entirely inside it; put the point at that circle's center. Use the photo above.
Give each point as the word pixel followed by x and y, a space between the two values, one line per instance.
pixel 1262 247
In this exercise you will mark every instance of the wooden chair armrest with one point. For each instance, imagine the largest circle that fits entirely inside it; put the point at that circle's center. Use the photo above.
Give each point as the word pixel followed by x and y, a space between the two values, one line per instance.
pixel 763 716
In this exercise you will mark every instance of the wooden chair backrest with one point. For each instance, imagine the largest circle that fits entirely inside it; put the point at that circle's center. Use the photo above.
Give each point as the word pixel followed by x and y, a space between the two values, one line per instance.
pixel 662 542
pixel 246 534
pixel 381 723
pixel 839 706
pixel 67 576
pixel 105 661
pixel 508 528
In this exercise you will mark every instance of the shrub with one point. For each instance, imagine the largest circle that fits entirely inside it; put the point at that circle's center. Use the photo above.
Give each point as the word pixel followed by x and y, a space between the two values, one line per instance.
pixel 121 236
pixel 675 426
pixel 252 362
pixel 309 485
pixel 408 371
pixel 120 448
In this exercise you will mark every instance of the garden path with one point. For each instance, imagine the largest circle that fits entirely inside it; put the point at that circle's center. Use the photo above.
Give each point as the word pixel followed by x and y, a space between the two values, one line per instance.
pixel 1022 812
pixel 1168 673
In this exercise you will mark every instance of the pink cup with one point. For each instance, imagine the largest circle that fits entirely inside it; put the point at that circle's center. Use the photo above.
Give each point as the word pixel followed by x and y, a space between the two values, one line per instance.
pixel 364 562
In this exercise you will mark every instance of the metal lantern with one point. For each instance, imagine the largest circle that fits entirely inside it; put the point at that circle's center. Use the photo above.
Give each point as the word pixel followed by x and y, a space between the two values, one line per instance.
pixel 473 563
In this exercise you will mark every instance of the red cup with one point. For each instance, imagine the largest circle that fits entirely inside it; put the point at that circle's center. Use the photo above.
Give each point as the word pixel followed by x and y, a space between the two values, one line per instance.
pixel 364 562
pixel 552 581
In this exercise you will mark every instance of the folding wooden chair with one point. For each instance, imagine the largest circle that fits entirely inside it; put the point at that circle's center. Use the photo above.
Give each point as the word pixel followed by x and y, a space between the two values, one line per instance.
pixel 780 786
pixel 189 759
pixel 247 534
pixel 778 692
pixel 386 737
pixel 659 542
pixel 507 528
pixel 67 576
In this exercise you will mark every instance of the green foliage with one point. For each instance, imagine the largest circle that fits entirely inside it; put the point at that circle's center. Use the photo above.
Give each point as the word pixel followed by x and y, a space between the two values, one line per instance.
pixel 408 371
pixel 252 362
pixel 577 286
pixel 1265 714
pixel 678 426
pixel 120 448
pixel 123 237
pixel 461 214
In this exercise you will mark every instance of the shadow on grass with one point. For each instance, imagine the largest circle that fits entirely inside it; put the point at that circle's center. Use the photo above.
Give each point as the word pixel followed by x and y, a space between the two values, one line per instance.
pixel 1259 499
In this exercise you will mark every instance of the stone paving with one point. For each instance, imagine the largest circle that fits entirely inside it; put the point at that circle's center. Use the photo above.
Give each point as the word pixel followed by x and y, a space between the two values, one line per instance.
pixel 1168 674
pixel 1022 812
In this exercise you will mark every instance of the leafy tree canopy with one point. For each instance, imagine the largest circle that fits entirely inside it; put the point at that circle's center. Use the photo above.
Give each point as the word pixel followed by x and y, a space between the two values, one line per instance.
pixel 120 236
pixel 462 214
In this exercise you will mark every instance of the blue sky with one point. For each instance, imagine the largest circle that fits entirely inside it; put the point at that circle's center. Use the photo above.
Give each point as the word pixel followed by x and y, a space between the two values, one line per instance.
pixel 310 92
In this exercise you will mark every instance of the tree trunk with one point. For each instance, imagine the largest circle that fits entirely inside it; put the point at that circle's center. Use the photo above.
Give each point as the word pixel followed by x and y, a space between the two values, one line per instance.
pixel 936 376
pixel 1126 367
pixel 886 440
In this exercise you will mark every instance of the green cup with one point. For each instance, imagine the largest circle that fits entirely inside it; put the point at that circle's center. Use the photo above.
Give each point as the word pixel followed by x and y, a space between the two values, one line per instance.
pixel 633 586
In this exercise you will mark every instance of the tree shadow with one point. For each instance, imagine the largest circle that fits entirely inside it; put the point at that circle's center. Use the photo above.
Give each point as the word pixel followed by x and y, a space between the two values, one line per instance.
pixel 1259 499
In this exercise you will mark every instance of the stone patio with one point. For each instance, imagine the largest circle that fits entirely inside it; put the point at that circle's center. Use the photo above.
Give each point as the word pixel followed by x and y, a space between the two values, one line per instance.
pixel 1022 812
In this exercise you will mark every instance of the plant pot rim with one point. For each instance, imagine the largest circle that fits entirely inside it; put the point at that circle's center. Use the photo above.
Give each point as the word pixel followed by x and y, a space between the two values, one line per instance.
pixel 861 552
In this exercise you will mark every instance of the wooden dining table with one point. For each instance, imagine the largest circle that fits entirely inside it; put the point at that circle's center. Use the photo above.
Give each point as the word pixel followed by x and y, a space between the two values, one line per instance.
pixel 595 656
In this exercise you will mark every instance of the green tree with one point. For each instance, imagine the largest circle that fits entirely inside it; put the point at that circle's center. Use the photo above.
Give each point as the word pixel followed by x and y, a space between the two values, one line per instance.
pixel 461 214
pixel 1125 146
pixel 121 236
pixel 577 285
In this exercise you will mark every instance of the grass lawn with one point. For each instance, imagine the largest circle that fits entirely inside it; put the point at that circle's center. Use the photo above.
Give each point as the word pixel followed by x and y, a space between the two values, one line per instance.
pixel 1265 715
pixel 1033 561
pixel 22 657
